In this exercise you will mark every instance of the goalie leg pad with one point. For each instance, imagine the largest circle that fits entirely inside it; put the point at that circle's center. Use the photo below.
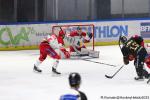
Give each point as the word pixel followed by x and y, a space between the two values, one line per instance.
pixel 94 54
pixel 91 53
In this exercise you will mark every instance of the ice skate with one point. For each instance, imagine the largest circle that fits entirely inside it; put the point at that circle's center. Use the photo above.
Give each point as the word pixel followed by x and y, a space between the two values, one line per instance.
pixel 139 78
pixel 148 81
pixel 36 69
pixel 55 71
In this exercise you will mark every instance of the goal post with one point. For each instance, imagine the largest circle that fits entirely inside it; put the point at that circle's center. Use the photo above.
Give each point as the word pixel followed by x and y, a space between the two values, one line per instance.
pixel 73 27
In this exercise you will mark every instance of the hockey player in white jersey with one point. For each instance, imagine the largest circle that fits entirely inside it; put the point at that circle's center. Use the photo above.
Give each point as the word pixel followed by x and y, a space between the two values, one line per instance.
pixel 80 38
pixel 53 47
pixel 76 40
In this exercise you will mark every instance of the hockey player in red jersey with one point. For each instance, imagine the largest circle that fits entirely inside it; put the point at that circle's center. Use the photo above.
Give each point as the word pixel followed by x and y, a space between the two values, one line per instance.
pixel 79 36
pixel 53 47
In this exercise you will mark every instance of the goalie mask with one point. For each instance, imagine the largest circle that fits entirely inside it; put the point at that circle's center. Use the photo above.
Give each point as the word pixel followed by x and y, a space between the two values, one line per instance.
pixel 79 28
pixel 74 79
pixel 123 39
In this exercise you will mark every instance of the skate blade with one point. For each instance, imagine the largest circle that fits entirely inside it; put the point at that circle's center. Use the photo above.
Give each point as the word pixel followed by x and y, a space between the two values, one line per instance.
pixel 37 72
pixel 55 74
pixel 140 80
pixel 59 75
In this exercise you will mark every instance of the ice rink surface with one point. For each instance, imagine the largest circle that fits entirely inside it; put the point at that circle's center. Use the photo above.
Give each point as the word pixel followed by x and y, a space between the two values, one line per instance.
pixel 19 82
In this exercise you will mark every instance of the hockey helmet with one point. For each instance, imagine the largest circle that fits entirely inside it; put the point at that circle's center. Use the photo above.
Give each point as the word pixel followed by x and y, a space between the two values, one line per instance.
pixel 74 79
pixel 61 33
pixel 138 39
pixel 147 60
pixel 123 39
pixel 135 36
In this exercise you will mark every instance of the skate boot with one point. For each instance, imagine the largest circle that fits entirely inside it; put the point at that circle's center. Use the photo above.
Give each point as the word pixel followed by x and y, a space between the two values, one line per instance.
pixel 139 78
pixel 36 69
pixel 55 71
pixel 147 76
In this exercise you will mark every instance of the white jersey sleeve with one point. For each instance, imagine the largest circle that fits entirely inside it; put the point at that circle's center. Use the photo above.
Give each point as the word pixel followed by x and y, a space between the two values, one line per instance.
pixel 73 40
pixel 53 42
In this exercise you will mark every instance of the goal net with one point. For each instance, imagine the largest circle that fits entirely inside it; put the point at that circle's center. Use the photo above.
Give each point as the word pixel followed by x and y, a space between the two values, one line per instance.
pixel 70 28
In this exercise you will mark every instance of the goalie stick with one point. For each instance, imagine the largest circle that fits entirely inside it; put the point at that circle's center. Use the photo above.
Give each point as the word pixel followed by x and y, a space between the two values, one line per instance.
pixel 110 77
pixel 99 62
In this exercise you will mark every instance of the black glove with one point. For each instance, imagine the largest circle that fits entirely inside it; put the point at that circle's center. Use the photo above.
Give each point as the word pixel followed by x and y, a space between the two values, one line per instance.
pixel 123 39
pixel 125 60
pixel 90 35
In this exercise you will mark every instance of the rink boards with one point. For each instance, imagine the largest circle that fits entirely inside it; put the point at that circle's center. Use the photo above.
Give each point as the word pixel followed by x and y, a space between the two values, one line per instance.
pixel 18 36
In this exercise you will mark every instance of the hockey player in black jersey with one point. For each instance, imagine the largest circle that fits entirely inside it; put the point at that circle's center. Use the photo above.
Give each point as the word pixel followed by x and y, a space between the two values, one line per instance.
pixel 74 93
pixel 133 49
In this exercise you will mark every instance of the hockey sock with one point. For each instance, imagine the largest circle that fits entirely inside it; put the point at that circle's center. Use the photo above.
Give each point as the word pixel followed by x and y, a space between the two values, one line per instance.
pixel 37 63
pixel 55 64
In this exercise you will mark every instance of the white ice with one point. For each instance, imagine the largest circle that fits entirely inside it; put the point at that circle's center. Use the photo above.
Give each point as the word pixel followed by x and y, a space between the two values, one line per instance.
pixel 19 82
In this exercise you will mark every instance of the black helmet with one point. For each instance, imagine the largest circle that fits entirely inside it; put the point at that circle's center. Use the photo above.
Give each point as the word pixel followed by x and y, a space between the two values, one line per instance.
pixel 74 79
pixel 123 39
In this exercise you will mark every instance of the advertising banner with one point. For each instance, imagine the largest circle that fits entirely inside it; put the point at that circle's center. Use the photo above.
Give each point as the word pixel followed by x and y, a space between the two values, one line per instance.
pixel 104 31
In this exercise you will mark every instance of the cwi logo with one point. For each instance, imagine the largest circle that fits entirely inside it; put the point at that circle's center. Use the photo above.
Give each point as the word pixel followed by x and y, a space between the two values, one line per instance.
pixel 8 38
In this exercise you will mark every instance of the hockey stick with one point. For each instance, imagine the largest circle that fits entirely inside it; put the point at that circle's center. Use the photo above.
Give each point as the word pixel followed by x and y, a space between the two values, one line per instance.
pixel 110 77
pixel 99 62
pixel 148 81
pixel 119 42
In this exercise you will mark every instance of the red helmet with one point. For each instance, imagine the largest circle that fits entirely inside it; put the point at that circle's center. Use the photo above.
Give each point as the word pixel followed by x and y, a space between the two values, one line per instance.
pixel 147 61
pixel 61 33
pixel 135 36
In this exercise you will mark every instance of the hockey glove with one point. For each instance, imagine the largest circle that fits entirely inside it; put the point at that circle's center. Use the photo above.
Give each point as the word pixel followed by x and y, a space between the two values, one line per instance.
pixel 90 35
pixel 131 57
pixel 125 60
pixel 123 39
pixel 66 53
